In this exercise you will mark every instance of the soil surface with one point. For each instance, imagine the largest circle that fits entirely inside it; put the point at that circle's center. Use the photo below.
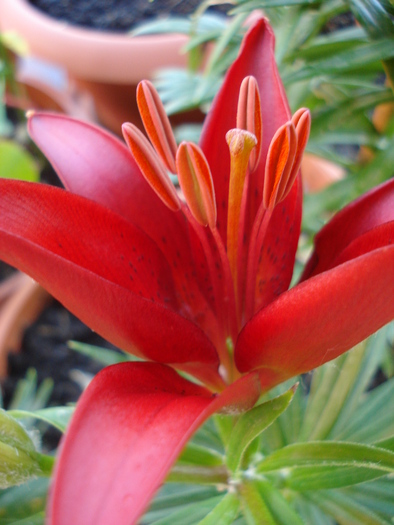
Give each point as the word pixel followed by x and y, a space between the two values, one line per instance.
pixel 117 15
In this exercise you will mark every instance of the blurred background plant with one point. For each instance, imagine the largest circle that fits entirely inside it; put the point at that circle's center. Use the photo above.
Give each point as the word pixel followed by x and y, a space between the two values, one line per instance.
pixel 15 158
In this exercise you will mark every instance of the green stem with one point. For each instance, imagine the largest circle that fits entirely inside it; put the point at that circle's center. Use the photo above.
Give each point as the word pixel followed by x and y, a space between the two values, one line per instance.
pixel 45 463
pixel 198 475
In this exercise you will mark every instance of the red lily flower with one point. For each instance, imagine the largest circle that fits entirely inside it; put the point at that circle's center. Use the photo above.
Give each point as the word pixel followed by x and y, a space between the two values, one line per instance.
pixel 199 286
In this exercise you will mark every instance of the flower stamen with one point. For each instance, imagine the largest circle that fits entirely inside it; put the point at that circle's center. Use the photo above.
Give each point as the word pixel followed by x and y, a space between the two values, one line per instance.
pixel 156 123
pixel 280 159
pixel 249 116
pixel 150 166
pixel 196 183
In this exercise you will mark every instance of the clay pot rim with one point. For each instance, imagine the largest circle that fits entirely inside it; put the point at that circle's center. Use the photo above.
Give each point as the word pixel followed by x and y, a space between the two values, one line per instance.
pixel 91 54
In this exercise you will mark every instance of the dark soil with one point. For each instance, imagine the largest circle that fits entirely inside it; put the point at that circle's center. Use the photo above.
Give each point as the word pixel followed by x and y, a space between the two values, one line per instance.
pixel 44 348
pixel 117 15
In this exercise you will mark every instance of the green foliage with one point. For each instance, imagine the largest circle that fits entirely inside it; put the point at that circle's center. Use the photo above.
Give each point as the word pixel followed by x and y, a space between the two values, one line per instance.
pixel 17 163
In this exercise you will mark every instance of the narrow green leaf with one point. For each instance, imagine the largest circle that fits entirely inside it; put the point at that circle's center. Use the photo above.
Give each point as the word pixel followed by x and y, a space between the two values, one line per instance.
pixel 252 424
pixel 19 502
pixel 328 453
pixel 343 384
pixel 325 477
pixel 197 455
pixel 224 513
pixel 323 381
pixel 255 509
pixel 232 29
pixel 377 496
pixel 282 512
pixel 372 15
pixel 372 421
pixel 55 416
pixel 345 510
pixel 388 443
pixel 376 348
pixel 348 60
pixel 173 495
pixel 190 514
pixel 36 519
pixel 103 355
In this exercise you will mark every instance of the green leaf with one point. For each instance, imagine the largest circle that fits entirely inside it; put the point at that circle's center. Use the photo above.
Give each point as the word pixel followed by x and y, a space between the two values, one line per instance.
pixel 329 453
pixel 372 421
pixel 190 514
pixel 252 424
pixel 348 60
pixel 282 512
pixel 372 15
pixel 202 456
pixel 377 496
pixel 55 416
pixel 224 513
pixel 346 510
pixel 336 399
pixel 317 478
pixel 17 163
pixel 172 497
pixel 255 509
pixel 103 355
pixel 37 519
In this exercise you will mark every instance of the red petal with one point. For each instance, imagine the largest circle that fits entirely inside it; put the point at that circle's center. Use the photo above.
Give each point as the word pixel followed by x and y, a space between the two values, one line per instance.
pixel 93 163
pixel 256 58
pixel 370 210
pixel 102 268
pixel 128 429
pixel 320 318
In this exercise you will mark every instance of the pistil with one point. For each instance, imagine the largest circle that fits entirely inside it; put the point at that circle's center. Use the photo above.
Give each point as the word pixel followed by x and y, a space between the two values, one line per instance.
pixel 240 143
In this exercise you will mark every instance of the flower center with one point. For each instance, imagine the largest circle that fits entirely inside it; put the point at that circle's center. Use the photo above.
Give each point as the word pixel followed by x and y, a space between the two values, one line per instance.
pixel 237 264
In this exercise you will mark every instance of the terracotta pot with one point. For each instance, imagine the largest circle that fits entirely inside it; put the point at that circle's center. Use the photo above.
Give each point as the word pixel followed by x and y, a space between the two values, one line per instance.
pixel 107 65
pixel 318 173
pixel 21 302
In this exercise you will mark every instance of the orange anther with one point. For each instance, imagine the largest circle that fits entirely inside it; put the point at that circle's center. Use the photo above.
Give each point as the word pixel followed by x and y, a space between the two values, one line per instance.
pixel 249 116
pixel 156 123
pixel 150 166
pixel 196 182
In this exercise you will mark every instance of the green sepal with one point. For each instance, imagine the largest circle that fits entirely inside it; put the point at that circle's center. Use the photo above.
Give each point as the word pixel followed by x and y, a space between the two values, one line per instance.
pixel 251 424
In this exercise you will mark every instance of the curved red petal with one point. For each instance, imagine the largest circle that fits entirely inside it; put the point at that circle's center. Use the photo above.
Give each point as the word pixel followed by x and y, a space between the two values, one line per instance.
pixel 320 318
pixel 128 429
pixel 256 58
pixel 106 271
pixel 367 212
pixel 93 163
